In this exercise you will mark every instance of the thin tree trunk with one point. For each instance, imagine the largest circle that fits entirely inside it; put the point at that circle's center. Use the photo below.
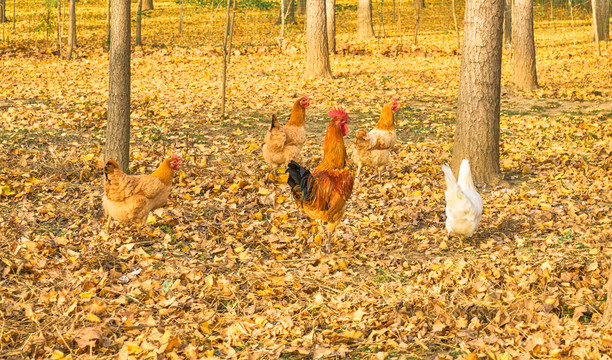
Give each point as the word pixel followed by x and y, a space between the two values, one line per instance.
pixel 477 131
pixel 382 20
pixel 2 17
pixel 181 20
pixel 118 125
pixel 71 30
pixel 365 30
pixel 317 53
pixel 225 37
pixel 330 8
pixel 231 35
pixel 139 24
pixel 524 76
pixel 596 27
pixel 14 14
pixel 59 27
pixel 417 21
pixel 456 26
pixel 301 7
pixel 572 15
pixel 286 9
pixel 508 22
pixel 108 18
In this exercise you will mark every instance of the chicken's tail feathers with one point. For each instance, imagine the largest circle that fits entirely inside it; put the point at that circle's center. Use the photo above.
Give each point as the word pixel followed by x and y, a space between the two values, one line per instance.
pixel 451 182
pixel 111 168
pixel 275 123
pixel 299 180
pixel 465 175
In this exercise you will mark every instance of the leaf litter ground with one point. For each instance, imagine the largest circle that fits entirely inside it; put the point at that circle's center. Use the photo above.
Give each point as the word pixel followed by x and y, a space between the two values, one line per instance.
pixel 232 269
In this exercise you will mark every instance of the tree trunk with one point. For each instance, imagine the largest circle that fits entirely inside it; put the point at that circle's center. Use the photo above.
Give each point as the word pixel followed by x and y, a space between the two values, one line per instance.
pixel 330 8
pixel 71 30
pixel 301 7
pixel 602 13
pixel 477 131
pixel 524 76
pixel 317 54
pixel 118 124
pixel 289 8
pixel 138 41
pixel 147 5
pixel 3 11
pixel 508 22
pixel 365 30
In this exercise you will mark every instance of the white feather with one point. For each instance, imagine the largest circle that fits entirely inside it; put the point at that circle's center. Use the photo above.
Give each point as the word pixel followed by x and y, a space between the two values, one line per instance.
pixel 463 203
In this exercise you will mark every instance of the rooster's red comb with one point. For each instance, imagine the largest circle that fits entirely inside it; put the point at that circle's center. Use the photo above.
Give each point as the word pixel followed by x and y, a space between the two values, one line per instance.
pixel 338 112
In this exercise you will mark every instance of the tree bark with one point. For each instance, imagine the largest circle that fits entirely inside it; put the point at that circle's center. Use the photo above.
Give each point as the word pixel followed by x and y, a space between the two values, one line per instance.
pixel 289 8
pixel 147 5
pixel 301 7
pixel 477 131
pixel 602 13
pixel 365 30
pixel 71 30
pixel 3 11
pixel 524 76
pixel 317 53
pixel 330 8
pixel 508 22
pixel 118 124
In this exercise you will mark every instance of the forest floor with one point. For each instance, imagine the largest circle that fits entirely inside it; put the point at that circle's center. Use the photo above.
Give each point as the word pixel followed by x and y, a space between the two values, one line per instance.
pixel 233 270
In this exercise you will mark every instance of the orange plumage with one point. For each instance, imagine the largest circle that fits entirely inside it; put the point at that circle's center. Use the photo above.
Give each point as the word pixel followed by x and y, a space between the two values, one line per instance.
pixel 130 198
pixel 373 148
pixel 323 194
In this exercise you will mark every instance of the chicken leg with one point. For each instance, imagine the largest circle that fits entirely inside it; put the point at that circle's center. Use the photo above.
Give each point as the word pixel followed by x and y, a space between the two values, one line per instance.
pixel 331 227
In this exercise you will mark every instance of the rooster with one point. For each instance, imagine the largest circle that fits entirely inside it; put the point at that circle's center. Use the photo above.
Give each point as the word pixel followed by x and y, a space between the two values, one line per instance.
pixel 323 194
pixel 284 143
pixel 130 198
pixel 463 203
pixel 373 148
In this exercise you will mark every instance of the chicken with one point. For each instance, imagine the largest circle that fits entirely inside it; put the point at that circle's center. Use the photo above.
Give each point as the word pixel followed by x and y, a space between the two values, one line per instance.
pixel 284 143
pixel 130 198
pixel 323 194
pixel 373 148
pixel 276 150
pixel 463 203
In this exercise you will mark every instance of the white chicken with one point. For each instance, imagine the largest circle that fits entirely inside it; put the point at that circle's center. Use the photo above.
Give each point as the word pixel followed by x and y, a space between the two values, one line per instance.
pixel 463 203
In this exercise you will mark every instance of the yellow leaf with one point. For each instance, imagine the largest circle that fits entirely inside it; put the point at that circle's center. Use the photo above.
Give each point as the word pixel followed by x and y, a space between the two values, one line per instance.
pixel 263 191
pixel 93 318
pixel 545 206
pixel 86 295
pixel 89 157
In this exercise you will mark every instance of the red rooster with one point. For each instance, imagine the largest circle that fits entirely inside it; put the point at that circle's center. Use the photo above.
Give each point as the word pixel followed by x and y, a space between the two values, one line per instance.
pixel 323 194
